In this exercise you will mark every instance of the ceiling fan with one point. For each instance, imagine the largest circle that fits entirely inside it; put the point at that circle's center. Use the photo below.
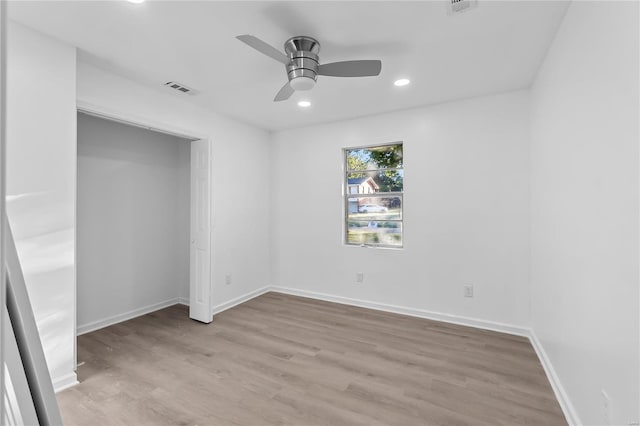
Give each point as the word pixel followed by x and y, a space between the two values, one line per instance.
pixel 303 64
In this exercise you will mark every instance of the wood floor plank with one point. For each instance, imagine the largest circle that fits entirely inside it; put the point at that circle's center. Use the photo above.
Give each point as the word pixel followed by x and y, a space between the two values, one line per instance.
pixel 286 360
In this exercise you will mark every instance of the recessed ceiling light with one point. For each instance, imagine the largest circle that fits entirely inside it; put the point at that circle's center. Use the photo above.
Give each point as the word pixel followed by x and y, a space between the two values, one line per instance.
pixel 402 82
pixel 136 1
pixel 304 104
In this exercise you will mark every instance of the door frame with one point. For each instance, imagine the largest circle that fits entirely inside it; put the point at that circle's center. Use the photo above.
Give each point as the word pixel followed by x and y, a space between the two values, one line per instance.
pixel 3 134
pixel 167 128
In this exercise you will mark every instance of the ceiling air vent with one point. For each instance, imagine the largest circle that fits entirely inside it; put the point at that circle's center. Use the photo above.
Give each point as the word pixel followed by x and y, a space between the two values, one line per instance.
pixel 180 87
pixel 458 6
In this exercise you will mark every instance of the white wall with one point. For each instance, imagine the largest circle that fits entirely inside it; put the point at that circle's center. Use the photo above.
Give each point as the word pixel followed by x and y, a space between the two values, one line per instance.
pixel 466 210
pixel 41 184
pixel 132 220
pixel 240 173
pixel 585 213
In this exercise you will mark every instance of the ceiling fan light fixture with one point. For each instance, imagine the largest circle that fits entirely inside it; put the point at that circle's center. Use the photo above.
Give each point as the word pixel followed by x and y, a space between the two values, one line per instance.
pixel 303 64
pixel 402 82
pixel 302 83
pixel 304 104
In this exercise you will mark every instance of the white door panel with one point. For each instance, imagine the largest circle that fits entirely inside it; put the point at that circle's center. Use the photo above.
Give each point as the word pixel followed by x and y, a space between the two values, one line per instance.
pixel 200 256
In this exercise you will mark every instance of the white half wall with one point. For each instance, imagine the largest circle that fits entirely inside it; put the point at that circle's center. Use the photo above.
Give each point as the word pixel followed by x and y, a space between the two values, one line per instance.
pixel 584 162
pixel 466 211
pixel 41 185
pixel 132 220
pixel 241 165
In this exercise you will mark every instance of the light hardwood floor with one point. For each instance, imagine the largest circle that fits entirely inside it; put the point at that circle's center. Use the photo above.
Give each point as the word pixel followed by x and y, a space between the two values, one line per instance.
pixel 280 359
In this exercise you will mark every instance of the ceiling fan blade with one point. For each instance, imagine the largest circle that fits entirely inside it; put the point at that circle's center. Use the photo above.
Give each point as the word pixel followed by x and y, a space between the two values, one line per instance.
pixel 264 48
pixel 284 93
pixel 351 68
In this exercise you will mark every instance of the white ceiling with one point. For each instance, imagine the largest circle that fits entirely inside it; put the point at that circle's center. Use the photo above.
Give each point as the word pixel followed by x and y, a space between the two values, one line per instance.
pixel 496 47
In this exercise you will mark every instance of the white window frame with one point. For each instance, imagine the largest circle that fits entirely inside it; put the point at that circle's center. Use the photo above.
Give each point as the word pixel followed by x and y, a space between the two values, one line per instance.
pixel 347 195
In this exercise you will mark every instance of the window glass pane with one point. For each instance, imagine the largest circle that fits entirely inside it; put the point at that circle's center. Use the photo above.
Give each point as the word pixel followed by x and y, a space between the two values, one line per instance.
pixel 374 232
pixel 367 182
pixel 374 158
pixel 373 213
pixel 375 208
pixel 389 180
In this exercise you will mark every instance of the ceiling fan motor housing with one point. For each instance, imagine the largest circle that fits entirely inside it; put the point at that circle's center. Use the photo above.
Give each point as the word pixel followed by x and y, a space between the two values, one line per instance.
pixel 302 63
pixel 302 69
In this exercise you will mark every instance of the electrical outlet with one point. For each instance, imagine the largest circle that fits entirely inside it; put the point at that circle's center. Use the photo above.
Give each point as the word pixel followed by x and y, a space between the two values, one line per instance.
pixel 606 406
pixel 227 279
pixel 359 277
pixel 468 290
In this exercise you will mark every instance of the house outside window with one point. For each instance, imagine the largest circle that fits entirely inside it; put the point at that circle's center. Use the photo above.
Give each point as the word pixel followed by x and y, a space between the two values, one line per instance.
pixel 373 195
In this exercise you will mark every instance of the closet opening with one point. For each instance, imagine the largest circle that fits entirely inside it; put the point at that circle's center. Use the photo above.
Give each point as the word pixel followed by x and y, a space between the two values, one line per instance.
pixel 138 193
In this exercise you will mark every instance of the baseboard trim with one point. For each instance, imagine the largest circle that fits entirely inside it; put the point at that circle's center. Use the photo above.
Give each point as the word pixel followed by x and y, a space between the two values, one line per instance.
pixel 65 382
pixel 413 312
pixel 96 325
pixel 240 299
pixel 569 411
pixel 561 395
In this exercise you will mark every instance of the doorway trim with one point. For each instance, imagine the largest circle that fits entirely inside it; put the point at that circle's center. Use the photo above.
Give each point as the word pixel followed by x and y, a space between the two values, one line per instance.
pixel 132 120
pixel 3 134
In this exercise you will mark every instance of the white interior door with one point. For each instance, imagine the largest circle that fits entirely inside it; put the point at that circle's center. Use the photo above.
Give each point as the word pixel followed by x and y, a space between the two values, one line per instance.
pixel 17 396
pixel 3 112
pixel 200 253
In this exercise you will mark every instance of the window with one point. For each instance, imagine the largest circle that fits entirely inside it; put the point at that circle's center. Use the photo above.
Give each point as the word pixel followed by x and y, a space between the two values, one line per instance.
pixel 373 189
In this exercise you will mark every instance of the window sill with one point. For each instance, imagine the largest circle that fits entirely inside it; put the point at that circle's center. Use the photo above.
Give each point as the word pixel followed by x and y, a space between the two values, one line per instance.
pixel 373 247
